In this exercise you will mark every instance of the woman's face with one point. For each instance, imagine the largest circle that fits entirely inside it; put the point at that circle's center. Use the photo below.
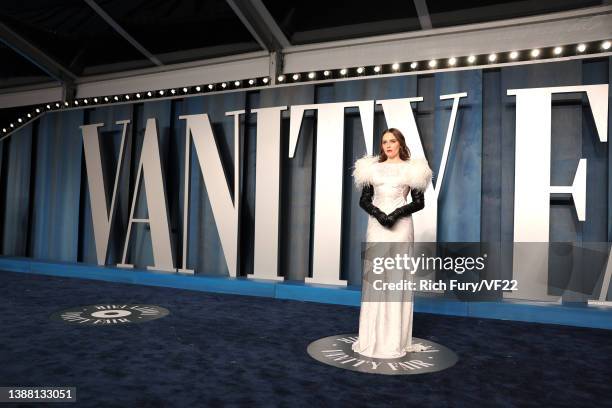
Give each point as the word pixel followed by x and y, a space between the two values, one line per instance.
pixel 390 145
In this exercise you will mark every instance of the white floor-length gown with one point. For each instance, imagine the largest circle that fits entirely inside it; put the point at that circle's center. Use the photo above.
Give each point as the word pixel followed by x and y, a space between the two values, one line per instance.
pixel 385 321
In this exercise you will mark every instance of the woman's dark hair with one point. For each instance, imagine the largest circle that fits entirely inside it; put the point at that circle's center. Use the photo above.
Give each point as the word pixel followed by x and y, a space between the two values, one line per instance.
pixel 404 152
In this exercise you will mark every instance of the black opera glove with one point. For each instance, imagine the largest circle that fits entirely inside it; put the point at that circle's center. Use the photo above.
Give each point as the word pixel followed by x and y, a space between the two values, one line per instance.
pixel 418 203
pixel 365 202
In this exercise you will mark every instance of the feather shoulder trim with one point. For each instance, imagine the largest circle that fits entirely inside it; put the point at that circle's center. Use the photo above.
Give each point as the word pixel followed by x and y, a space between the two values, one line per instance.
pixel 362 171
pixel 415 173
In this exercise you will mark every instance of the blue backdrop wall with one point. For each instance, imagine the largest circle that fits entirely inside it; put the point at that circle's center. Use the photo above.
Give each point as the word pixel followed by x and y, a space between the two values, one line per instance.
pixel 45 208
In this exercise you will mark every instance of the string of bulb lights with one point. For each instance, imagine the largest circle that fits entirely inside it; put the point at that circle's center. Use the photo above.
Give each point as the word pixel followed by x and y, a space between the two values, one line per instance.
pixel 474 60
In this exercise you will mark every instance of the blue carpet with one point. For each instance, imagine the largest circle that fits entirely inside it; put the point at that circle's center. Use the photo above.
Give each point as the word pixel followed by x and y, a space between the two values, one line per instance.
pixel 227 350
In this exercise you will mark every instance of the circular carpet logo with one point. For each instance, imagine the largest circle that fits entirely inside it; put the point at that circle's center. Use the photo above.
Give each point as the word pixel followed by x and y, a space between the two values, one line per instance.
pixel 104 315
pixel 336 351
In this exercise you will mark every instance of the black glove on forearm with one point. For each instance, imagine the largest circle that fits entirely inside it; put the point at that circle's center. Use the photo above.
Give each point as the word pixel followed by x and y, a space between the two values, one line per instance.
pixel 418 203
pixel 365 202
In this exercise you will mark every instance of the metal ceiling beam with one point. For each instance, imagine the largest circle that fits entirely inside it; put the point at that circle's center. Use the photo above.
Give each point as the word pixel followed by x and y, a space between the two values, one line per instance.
pixel 215 70
pixel 37 57
pixel 244 66
pixel 423 13
pixel 260 23
pixel 110 21
pixel 23 96
pixel 569 27
pixel 583 25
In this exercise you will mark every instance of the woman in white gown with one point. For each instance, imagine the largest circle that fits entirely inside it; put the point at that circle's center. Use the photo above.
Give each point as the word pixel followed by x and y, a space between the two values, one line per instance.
pixel 385 323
